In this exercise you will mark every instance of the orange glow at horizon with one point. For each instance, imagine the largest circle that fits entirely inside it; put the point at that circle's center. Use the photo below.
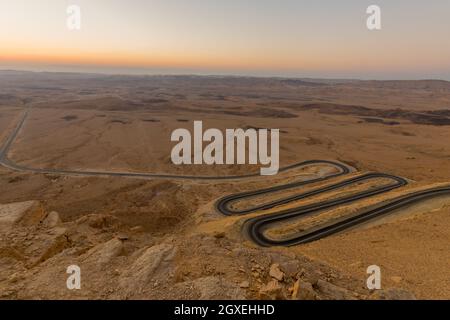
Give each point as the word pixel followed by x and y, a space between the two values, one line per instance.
pixel 59 56
pixel 232 35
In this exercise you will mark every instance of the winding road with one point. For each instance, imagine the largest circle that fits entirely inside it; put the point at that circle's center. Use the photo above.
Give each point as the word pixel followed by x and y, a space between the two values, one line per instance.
pixel 8 163
pixel 256 227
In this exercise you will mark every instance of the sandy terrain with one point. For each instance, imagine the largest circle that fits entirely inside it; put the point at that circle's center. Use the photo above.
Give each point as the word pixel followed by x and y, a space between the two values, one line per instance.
pixel 116 228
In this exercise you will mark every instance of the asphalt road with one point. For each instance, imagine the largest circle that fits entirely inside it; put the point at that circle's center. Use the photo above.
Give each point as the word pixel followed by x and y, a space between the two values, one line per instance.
pixel 255 227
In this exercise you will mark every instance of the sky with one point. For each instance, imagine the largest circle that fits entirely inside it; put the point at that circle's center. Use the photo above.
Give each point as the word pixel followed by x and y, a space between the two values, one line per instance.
pixel 292 38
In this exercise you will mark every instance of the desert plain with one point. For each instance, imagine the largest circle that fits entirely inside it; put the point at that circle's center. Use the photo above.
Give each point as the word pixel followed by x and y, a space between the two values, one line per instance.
pixel 162 237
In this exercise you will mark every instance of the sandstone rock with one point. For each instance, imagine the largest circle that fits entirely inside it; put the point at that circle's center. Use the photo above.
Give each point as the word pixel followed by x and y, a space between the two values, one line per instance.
pixel 100 221
pixel 392 294
pixel 333 292
pixel 53 245
pixel 275 272
pixel 34 215
pixel 24 213
pixel 11 254
pixel 271 291
pixel 52 220
pixel 303 291
pixel 291 268
pixel 102 254
pixel 144 268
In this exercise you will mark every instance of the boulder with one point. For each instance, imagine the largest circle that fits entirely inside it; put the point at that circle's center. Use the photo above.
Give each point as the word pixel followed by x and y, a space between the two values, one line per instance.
pixel 52 220
pixel 21 213
pixel 52 245
pixel 153 259
pixel 273 290
pixel 303 290
pixel 102 254
pixel 275 272
pixel 291 268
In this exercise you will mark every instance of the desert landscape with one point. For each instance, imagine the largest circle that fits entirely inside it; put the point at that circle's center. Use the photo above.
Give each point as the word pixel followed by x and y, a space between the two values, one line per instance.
pixel 87 179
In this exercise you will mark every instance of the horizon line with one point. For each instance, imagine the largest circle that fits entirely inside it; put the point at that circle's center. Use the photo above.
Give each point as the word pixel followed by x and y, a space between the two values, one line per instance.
pixel 218 75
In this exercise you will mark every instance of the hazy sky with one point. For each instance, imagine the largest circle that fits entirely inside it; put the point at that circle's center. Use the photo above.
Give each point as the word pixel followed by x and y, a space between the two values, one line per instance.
pixel 255 37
